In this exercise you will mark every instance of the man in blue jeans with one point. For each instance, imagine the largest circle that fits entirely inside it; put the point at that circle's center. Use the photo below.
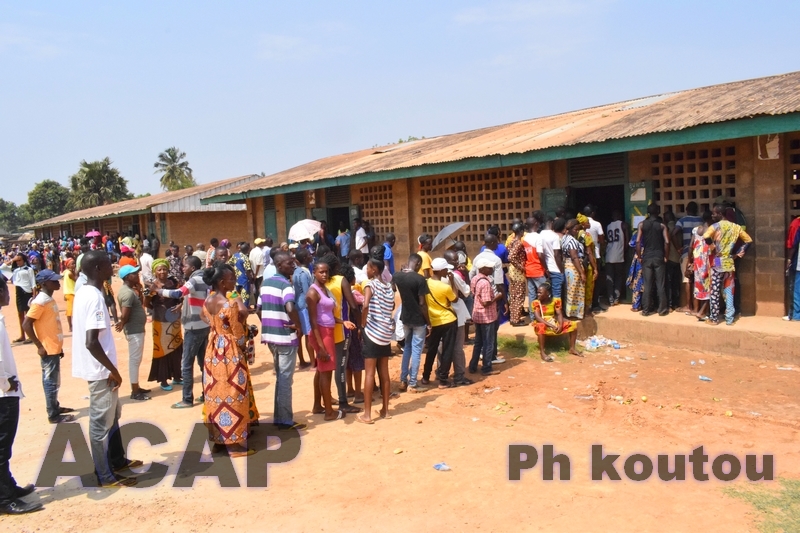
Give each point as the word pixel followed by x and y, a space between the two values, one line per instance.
pixel 196 330
pixel 279 325
pixel 43 326
pixel 414 316
pixel 94 359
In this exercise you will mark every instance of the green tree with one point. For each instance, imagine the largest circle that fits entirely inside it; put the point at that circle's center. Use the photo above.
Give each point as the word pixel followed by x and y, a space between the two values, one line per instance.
pixel 97 183
pixel 13 217
pixel 175 171
pixel 47 199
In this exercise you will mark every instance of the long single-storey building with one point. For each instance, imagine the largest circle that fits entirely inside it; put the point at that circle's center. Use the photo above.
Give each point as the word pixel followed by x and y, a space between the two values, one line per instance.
pixel 173 216
pixel 739 140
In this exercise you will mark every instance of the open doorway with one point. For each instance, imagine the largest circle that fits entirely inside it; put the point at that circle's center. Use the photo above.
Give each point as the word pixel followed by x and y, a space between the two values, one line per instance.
pixel 607 198
pixel 337 215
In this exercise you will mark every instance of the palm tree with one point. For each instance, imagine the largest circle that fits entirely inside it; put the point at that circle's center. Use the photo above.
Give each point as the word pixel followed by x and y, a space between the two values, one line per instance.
pixel 176 173
pixel 97 183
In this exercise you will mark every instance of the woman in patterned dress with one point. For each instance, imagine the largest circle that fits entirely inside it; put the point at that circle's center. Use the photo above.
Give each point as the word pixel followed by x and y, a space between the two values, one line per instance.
pixel 167 335
pixel 230 407
pixel 574 275
pixel 589 260
pixel 549 321
pixel 700 268
pixel 635 281
pixel 517 282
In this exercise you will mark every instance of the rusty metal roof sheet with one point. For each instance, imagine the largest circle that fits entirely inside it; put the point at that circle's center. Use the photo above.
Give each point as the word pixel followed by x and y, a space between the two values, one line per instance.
pixel 773 95
pixel 141 204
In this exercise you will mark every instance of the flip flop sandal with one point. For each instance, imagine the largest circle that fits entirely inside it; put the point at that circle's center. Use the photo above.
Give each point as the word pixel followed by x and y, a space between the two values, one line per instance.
pixel 182 405
pixel 351 409
pixel 360 400
pixel 166 387
pixel 134 463
pixel 361 419
pixel 339 415
pixel 547 359
pixel 387 417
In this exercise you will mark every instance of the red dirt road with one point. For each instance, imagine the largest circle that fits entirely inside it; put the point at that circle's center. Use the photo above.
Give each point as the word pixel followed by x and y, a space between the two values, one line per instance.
pixel 348 475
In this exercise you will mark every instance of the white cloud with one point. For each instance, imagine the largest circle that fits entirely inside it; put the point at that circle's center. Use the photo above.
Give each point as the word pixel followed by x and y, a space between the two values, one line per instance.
pixel 24 43
pixel 526 10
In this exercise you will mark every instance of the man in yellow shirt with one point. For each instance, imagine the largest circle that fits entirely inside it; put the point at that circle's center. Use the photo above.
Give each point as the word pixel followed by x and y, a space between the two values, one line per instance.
pixel 43 326
pixel 444 324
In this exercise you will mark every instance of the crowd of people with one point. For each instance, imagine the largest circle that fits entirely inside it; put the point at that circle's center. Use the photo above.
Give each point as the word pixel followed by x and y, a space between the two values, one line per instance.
pixel 334 305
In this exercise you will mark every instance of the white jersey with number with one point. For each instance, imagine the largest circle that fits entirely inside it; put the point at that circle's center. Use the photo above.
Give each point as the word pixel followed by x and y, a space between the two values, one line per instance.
pixel 615 243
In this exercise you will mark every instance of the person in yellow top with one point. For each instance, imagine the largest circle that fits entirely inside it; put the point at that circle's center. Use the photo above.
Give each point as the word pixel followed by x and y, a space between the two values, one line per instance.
pixel 43 326
pixel 70 277
pixel 444 323
pixel 425 244
pixel 343 296
pixel 723 236
pixel 585 238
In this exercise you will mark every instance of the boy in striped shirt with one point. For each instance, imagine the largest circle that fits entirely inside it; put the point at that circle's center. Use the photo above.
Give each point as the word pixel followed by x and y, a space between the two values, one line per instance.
pixel 279 324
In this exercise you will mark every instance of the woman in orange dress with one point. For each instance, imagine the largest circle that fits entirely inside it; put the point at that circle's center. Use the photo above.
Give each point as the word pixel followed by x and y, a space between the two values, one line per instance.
pixel 230 407
pixel 549 321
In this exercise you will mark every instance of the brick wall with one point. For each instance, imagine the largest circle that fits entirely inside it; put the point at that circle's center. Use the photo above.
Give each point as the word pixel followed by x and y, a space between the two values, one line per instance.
pixel 191 228
pixel 769 231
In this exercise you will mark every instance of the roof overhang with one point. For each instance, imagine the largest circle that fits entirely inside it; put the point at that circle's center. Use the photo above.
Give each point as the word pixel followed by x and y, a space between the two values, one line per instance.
pixel 734 129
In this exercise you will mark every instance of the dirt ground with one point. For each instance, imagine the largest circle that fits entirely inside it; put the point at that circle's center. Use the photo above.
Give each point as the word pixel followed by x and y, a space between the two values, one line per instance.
pixel 348 475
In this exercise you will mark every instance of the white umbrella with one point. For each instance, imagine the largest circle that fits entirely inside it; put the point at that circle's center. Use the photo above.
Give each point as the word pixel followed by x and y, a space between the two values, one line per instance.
pixel 305 229
pixel 447 232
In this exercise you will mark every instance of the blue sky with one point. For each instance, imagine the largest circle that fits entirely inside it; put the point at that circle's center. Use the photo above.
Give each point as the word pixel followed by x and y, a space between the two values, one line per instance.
pixel 250 87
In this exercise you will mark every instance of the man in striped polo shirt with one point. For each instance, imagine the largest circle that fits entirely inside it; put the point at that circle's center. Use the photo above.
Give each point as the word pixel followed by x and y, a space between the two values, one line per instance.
pixel 279 324
pixel 196 330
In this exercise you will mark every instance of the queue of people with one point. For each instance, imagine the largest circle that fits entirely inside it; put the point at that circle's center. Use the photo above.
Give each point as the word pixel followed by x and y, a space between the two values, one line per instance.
pixel 335 305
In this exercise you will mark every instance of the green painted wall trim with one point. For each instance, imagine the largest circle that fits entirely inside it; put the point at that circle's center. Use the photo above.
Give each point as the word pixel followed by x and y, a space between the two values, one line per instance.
pixel 735 129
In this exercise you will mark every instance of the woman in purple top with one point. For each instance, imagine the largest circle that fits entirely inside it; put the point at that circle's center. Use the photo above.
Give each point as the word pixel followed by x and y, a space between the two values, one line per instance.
pixel 320 304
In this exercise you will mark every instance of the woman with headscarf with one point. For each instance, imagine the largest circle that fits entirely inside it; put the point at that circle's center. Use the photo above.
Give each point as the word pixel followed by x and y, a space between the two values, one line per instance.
pixel 589 261
pixel 574 275
pixel 167 336
pixel 517 282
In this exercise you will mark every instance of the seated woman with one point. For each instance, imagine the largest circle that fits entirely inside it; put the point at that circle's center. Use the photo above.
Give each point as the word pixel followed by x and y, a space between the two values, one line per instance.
pixel 549 321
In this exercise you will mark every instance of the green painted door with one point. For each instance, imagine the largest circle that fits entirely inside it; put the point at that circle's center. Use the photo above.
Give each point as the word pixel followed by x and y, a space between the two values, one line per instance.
pixel 637 197
pixel 293 215
pixel 270 223
pixel 552 199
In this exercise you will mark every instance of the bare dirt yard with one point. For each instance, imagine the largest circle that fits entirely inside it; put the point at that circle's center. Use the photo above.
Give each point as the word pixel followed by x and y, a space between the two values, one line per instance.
pixel 350 476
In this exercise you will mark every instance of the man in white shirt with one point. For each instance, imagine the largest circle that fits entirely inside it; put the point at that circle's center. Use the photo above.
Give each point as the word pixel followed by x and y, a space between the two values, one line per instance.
pixel 362 245
pixel 10 394
pixel 258 264
pixel 94 359
pixel 146 262
pixel 551 250
pixel 596 231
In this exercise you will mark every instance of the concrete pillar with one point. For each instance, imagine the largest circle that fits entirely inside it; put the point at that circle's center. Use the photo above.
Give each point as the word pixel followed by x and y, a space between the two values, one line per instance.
pixel 768 231
pixel 280 217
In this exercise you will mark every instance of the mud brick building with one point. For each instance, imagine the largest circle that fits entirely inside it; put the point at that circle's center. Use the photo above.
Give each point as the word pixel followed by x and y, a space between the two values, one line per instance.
pixel 739 140
pixel 173 216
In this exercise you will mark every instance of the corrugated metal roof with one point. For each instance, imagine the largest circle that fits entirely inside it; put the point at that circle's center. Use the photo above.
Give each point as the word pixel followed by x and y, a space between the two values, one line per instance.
pixel 148 202
pixel 774 95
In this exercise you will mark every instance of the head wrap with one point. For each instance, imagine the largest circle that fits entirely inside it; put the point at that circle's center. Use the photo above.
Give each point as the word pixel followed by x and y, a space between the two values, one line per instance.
pixel 69 263
pixel 582 218
pixel 158 262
